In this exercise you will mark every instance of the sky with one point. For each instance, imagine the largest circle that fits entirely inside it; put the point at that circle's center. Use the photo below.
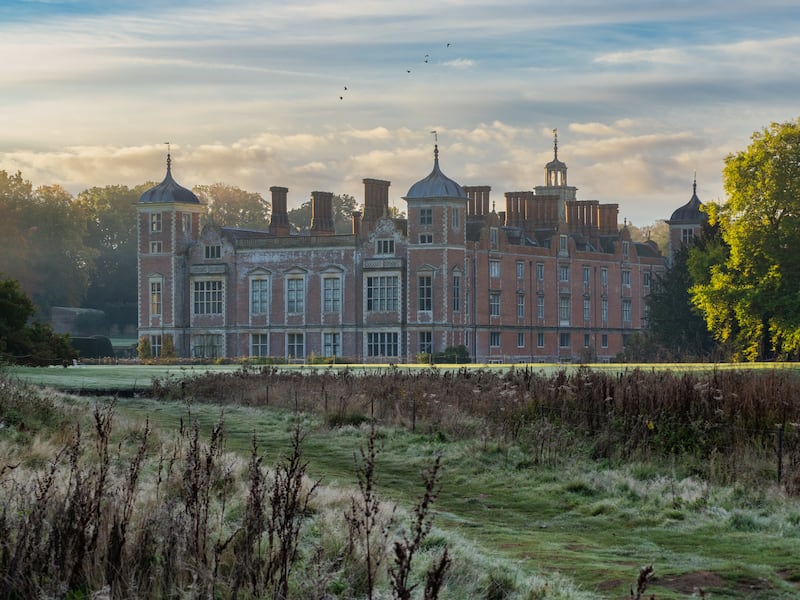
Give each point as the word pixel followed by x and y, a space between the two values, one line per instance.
pixel 644 93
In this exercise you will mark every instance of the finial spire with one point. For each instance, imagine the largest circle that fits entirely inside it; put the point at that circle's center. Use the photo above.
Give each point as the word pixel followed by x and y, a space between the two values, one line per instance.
pixel 555 143
pixel 694 184
pixel 169 158
pixel 435 146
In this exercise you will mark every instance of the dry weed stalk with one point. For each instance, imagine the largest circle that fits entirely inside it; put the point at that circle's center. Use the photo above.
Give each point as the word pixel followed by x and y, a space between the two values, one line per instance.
pixel 408 546
pixel 368 531
pixel 645 574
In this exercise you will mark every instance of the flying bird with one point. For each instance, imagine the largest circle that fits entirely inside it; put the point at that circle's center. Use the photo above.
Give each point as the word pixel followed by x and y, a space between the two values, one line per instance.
pixel 426 57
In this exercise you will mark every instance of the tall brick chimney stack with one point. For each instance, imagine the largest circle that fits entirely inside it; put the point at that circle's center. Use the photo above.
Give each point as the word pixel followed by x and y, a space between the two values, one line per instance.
pixel 376 202
pixel 356 223
pixel 279 225
pixel 607 218
pixel 322 213
pixel 477 200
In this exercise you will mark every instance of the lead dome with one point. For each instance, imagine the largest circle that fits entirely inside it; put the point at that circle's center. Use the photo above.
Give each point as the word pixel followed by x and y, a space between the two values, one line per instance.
pixel 437 184
pixel 168 191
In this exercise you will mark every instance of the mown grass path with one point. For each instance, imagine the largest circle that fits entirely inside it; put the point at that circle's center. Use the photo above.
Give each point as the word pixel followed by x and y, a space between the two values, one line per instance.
pixel 593 528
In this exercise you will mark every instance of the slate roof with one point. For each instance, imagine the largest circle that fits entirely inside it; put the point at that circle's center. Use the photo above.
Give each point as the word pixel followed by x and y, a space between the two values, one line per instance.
pixel 168 191
pixel 436 185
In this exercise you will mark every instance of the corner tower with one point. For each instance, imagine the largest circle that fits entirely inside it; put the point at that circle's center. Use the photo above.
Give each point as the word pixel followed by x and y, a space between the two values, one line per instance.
pixel 168 221
pixel 686 223
pixel 436 262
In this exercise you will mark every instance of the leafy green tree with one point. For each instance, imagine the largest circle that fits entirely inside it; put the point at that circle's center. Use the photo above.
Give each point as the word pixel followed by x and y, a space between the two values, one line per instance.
pixel 675 325
pixel 44 242
pixel 343 207
pixel 231 206
pixel 751 298
pixel 15 194
pixel 60 260
pixel 34 343
pixel 15 308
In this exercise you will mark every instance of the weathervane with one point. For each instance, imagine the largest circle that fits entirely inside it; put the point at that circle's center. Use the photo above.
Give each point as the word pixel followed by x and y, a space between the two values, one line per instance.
pixel 555 142
pixel 435 136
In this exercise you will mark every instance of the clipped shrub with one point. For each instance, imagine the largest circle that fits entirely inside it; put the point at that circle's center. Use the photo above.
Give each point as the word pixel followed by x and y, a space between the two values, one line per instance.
pixel 168 347
pixel 143 349
pixel 96 346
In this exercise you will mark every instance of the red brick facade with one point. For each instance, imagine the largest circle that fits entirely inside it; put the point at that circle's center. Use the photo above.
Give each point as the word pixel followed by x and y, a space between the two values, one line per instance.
pixel 549 279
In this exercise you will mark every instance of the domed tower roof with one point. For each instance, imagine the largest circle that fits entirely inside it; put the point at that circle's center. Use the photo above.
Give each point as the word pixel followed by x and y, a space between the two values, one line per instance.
pixel 436 185
pixel 168 191
pixel 691 211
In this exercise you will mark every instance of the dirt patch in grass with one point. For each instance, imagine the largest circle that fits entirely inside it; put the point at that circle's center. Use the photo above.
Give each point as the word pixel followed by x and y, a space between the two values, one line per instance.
pixel 689 583
pixel 611 584
pixel 790 575
pixel 752 584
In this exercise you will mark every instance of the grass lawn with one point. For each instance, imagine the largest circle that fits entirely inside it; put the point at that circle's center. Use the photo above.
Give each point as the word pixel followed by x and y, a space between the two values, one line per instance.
pixel 596 524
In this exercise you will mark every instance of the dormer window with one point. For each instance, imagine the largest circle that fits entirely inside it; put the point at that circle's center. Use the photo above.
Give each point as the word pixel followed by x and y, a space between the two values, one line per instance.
pixel 213 252
pixel 384 247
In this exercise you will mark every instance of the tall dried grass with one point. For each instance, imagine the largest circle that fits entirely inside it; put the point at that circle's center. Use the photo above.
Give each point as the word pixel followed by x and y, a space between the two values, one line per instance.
pixel 131 516
pixel 743 421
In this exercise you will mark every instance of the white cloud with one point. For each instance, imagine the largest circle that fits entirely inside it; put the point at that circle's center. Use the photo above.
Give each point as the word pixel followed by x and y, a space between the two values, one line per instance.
pixel 249 93
pixel 459 63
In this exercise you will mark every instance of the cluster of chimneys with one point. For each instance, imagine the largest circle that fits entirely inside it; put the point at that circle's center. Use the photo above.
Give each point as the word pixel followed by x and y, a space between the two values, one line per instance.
pixel 530 212
pixel 525 210
pixel 376 205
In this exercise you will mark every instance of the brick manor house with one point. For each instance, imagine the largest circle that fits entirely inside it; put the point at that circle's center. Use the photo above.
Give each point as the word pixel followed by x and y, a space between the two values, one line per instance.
pixel 550 279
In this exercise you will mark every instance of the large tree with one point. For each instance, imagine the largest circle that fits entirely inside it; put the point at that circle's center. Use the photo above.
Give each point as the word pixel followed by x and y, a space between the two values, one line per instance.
pixel 231 206
pixel 110 216
pixel 15 194
pixel 44 242
pixel 343 207
pixel 675 325
pixel 751 298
